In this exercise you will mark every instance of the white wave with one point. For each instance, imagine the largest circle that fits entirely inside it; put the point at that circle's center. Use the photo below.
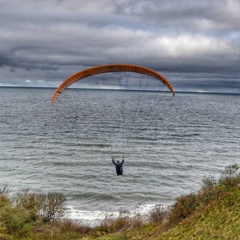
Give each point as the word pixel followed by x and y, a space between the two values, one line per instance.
pixel 94 218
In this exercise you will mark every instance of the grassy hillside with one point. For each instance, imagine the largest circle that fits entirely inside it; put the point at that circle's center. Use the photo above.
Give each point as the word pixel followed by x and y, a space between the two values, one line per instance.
pixel 211 213
pixel 219 220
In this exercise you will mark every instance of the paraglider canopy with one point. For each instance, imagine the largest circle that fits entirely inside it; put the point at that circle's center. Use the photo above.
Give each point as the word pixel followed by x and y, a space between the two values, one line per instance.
pixel 122 116
pixel 109 68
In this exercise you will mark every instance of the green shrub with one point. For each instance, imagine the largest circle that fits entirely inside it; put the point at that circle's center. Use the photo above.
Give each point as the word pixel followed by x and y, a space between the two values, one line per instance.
pixel 213 189
pixel 50 206
pixel 184 207
pixel 209 190
pixel 230 177
pixel 29 202
pixel 15 220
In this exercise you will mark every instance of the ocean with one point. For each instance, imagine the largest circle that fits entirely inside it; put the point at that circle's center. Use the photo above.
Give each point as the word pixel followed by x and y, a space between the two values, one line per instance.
pixel 169 145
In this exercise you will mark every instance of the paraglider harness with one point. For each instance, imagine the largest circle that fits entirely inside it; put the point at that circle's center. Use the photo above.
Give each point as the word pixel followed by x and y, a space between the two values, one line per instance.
pixel 118 166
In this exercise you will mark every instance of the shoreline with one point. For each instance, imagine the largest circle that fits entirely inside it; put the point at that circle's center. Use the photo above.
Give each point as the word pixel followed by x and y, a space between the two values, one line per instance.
pixel 96 217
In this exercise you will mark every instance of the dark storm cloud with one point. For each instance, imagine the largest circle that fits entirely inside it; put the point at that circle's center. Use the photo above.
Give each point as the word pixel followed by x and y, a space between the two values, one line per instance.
pixel 193 43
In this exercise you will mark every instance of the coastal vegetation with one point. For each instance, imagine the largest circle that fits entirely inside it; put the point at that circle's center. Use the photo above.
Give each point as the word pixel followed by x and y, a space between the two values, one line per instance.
pixel 210 213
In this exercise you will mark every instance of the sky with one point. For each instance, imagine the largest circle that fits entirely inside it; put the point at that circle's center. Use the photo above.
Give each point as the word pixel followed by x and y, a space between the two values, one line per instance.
pixel 195 44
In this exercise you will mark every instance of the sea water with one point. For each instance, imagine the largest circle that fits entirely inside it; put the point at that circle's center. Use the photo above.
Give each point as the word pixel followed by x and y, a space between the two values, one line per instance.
pixel 169 145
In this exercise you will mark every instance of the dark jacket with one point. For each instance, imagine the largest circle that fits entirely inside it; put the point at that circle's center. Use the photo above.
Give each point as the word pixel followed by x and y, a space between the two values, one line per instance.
pixel 119 167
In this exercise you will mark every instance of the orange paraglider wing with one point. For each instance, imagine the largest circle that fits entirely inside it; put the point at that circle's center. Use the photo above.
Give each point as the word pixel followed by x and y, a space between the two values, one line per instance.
pixel 109 68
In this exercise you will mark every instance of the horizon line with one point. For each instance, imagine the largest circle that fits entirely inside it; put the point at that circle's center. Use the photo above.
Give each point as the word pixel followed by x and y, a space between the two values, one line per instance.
pixel 176 91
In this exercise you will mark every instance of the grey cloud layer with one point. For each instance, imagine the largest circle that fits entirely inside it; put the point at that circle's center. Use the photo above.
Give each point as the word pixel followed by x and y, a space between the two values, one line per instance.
pixel 189 41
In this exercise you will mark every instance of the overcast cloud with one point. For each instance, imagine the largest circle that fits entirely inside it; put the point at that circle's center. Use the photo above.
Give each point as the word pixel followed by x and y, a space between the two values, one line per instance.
pixel 194 43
